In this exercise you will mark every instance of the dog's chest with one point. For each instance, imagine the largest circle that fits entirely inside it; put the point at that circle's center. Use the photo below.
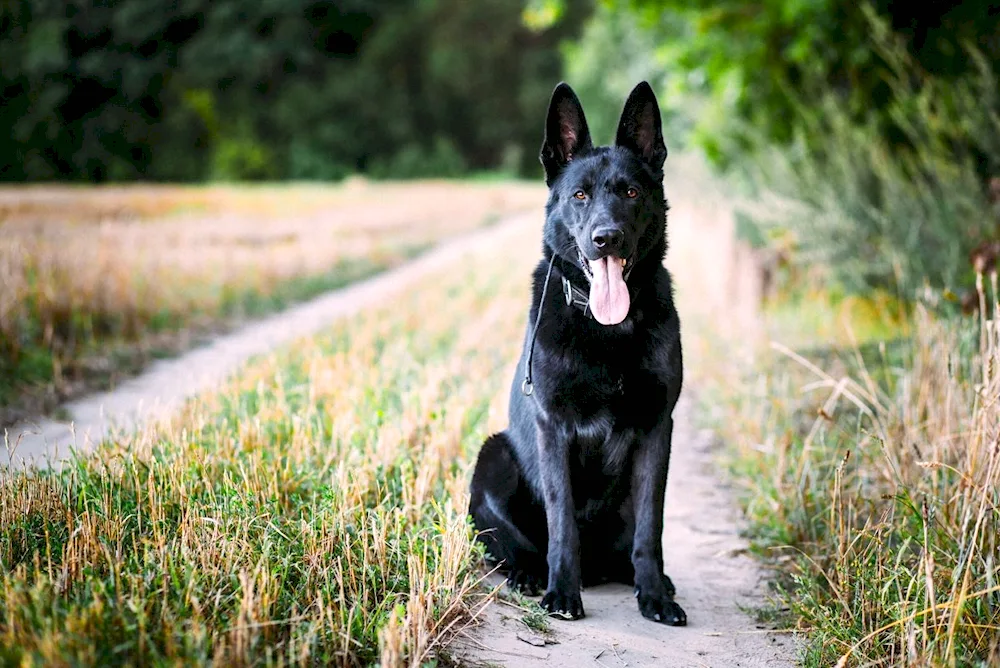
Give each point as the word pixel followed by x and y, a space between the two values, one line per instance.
pixel 607 383
pixel 591 391
pixel 610 405
pixel 604 420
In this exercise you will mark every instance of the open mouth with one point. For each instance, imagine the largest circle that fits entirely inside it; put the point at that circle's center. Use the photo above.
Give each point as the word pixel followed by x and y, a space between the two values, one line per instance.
pixel 626 264
pixel 609 297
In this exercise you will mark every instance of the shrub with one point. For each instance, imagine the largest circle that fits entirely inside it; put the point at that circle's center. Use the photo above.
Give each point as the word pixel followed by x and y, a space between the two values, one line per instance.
pixel 242 158
pixel 413 161
pixel 898 211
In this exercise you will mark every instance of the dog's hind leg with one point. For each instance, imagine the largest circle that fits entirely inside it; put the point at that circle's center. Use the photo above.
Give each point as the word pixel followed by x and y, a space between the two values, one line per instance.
pixel 609 557
pixel 508 521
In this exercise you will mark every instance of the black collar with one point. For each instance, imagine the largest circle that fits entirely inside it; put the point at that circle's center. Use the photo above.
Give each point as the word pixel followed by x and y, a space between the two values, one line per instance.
pixel 576 297
pixel 580 299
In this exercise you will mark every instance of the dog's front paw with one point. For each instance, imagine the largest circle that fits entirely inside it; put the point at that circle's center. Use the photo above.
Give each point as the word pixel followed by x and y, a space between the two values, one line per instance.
pixel 563 604
pixel 657 603
pixel 525 582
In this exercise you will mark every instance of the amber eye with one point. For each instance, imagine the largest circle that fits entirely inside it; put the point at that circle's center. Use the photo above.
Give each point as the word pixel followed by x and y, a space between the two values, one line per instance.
pixel 579 194
pixel 632 193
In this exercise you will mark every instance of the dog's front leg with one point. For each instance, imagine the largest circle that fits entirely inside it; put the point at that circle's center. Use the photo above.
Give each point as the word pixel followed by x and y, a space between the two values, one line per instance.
pixel 562 596
pixel 649 484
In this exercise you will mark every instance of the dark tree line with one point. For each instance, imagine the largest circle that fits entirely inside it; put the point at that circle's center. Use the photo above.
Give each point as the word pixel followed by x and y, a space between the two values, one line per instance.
pixel 195 89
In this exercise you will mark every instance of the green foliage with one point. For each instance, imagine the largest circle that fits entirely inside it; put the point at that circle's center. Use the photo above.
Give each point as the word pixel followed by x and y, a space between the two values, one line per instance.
pixel 442 159
pixel 542 14
pixel 766 65
pixel 738 72
pixel 241 158
pixel 875 124
pixel 881 218
pixel 614 53
pixel 302 89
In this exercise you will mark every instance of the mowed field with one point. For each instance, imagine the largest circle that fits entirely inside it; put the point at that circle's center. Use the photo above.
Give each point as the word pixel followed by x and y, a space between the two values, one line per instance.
pixel 96 281
pixel 312 511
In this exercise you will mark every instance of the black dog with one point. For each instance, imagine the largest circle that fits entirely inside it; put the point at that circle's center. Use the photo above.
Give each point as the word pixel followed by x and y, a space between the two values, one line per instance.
pixel 572 492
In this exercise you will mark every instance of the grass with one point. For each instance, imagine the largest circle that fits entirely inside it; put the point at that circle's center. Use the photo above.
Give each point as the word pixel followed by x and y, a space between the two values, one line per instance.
pixel 311 512
pixel 871 477
pixel 862 445
pixel 895 200
pixel 533 615
pixel 92 278
pixel 867 438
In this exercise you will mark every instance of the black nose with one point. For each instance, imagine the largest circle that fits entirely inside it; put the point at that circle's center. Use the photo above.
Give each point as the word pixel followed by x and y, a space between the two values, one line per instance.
pixel 608 237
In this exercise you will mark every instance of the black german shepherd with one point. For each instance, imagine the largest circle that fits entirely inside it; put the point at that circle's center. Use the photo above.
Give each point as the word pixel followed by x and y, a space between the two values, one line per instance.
pixel 572 492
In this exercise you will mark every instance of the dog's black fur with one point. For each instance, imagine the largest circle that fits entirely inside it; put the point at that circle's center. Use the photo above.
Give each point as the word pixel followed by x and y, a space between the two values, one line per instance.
pixel 572 492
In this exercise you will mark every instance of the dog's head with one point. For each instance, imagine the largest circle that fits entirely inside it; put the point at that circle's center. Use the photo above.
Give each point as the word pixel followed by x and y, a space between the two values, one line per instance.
pixel 606 212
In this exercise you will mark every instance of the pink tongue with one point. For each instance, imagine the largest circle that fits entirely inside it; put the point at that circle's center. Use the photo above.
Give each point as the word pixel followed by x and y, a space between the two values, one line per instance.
pixel 609 300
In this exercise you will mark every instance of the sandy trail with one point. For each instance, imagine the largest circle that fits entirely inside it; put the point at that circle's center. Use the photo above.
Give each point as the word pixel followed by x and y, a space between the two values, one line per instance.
pixel 704 553
pixel 706 559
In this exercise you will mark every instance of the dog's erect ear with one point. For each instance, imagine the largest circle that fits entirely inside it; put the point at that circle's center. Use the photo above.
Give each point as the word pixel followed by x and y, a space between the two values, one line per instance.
pixel 640 129
pixel 566 133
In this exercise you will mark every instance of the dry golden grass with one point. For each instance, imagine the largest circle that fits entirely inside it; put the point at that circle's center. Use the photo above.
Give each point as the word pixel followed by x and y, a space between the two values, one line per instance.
pixel 311 512
pixel 80 268
pixel 872 476
pixel 867 451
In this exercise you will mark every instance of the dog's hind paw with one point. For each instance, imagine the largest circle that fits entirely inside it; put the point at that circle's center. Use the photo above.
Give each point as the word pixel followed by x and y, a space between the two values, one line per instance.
pixel 524 582
pixel 565 605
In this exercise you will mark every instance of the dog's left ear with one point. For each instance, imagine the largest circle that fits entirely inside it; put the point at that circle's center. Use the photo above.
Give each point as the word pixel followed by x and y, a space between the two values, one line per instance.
pixel 640 129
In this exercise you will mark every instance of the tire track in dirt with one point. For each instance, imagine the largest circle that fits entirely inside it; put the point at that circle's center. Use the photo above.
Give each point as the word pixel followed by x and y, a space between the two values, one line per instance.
pixel 164 386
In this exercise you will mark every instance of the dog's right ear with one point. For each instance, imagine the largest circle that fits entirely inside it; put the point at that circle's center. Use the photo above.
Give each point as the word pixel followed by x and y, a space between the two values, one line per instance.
pixel 566 133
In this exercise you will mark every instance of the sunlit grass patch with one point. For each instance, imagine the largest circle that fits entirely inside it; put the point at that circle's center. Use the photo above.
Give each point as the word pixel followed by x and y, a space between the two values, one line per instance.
pixel 804 317
pixel 314 511
pixel 871 476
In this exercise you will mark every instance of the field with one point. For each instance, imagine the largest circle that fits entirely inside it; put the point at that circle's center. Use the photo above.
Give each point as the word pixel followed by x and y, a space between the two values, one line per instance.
pixel 862 437
pixel 868 465
pixel 94 282
pixel 312 511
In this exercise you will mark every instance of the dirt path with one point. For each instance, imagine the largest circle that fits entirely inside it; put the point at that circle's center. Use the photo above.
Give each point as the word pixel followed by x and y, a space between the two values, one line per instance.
pixel 166 384
pixel 706 559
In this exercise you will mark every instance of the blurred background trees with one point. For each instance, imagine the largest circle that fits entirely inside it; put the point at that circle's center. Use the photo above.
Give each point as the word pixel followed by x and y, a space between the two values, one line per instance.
pixel 877 120
pixel 871 127
pixel 198 89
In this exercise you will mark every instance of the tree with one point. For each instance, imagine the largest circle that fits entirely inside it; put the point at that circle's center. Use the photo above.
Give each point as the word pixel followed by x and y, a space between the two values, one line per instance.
pixel 195 89
pixel 765 67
